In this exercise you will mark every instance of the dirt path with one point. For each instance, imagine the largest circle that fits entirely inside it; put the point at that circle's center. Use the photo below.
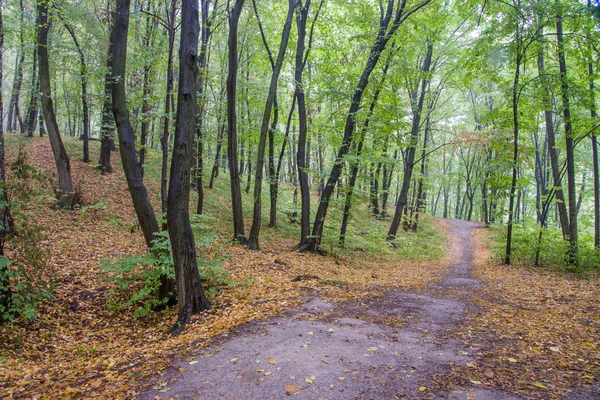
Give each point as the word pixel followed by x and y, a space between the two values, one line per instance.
pixel 391 346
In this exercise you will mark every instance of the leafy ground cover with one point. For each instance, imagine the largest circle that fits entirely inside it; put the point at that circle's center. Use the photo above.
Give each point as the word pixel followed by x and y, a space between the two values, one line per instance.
pixel 79 347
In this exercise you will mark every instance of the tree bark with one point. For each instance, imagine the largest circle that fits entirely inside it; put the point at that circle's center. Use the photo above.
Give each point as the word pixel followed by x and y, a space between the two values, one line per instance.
pixel 14 113
pixel 190 297
pixel 84 103
pixel 164 141
pixel 107 128
pixel 551 138
pixel 402 203
pixel 390 22
pixel 570 147
pixel 236 192
pixel 65 187
pixel 253 243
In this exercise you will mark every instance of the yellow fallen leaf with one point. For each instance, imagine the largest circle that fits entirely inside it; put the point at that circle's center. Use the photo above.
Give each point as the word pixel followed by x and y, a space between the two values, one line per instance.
pixel 260 371
pixel 341 378
pixel 272 361
pixel 182 369
pixel 193 362
pixel 512 360
pixel 309 381
pixel 233 359
pixel 268 373
pixel 539 385
pixel 422 388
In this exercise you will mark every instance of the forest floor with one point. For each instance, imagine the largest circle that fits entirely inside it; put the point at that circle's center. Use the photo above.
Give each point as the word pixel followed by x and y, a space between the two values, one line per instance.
pixel 353 324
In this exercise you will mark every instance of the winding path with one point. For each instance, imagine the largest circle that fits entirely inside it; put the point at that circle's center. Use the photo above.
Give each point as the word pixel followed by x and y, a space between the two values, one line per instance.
pixel 387 347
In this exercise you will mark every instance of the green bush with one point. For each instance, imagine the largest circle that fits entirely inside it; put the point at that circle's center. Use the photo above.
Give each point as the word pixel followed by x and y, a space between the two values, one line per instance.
pixel 25 280
pixel 137 278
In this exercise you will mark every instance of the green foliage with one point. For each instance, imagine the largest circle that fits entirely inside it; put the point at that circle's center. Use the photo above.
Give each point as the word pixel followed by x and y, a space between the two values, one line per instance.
pixel 553 249
pixel 139 277
pixel 25 277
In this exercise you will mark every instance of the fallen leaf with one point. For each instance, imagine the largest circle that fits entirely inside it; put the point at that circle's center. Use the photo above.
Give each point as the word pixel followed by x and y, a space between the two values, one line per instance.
pixel 233 359
pixel 308 380
pixel 422 388
pixel 539 385
pixel 512 360
pixel 193 362
pixel 268 373
pixel 260 371
pixel 182 369
pixel 272 361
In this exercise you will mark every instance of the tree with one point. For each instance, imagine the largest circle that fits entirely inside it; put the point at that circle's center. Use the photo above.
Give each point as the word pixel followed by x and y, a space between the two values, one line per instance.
pixel 390 20
pixel 65 186
pixel 236 192
pixel 260 161
pixel 191 299
pixel 131 165
pixel 569 139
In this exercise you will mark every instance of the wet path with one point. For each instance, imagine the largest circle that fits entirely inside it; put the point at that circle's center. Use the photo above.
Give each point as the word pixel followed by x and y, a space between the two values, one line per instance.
pixel 386 347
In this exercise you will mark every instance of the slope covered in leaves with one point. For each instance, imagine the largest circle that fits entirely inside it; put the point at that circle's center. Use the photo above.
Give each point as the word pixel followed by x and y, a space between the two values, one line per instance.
pixel 78 347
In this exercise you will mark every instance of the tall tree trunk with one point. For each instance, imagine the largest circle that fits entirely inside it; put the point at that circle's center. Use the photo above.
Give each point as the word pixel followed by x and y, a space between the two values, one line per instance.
pixel 147 42
pixel 202 79
pixel 402 202
pixel 301 158
pixel 107 128
pixel 131 165
pixel 236 192
pixel 190 297
pixel 63 166
pixel 14 112
pixel 594 137
pixel 164 141
pixel 570 146
pixel 515 112
pixel 390 21
pixel 32 110
pixel 84 103
pixel 551 138
pixel 264 129
pixel 355 164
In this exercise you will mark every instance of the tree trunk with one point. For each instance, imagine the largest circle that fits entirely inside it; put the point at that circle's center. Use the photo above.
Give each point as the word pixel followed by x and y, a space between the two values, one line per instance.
pixel 131 166
pixel 65 187
pixel 84 103
pixel 388 27
pixel 32 111
pixel 236 192
pixel 551 139
pixel 147 42
pixel 570 147
pixel 401 205
pixel 14 112
pixel 515 112
pixel 264 130
pixel 190 297
pixel 107 128
pixel 164 141
pixel 202 79
pixel 355 164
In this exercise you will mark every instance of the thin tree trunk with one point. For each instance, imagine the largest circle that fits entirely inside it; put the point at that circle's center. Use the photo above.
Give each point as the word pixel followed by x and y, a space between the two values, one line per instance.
pixel 551 139
pixel 253 243
pixel 107 128
pixel 390 21
pixel 14 113
pixel 570 147
pixel 84 103
pixel 515 112
pixel 168 100
pixel 63 166
pixel 401 205
pixel 236 194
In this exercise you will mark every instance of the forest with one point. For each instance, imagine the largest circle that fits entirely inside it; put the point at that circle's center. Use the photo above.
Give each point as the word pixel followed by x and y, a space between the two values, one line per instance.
pixel 171 170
